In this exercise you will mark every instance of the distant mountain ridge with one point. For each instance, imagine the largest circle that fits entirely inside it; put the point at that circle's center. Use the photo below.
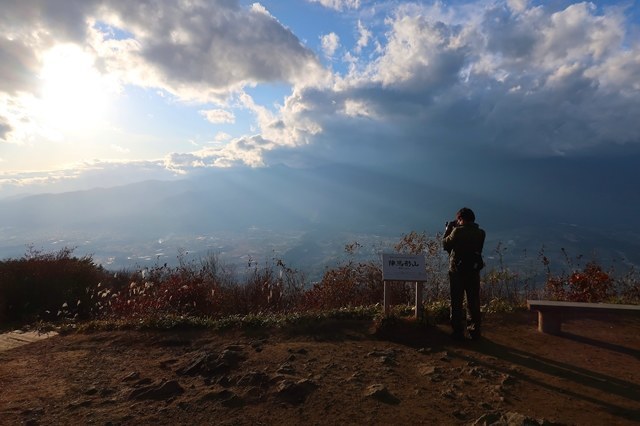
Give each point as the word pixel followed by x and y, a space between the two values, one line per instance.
pixel 328 201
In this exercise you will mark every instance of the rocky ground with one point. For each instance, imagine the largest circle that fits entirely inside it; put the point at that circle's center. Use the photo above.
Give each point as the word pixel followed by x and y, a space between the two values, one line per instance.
pixel 336 372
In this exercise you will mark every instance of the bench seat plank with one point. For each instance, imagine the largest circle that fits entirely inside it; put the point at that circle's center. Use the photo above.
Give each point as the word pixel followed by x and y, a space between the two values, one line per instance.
pixel 550 313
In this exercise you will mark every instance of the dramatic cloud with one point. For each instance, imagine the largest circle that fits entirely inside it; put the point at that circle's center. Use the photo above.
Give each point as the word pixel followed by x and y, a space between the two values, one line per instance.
pixel 512 78
pixel 197 51
pixel 201 50
pixel 516 79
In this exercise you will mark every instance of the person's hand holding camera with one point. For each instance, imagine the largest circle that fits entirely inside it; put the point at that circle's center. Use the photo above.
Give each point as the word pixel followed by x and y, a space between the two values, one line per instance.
pixel 449 226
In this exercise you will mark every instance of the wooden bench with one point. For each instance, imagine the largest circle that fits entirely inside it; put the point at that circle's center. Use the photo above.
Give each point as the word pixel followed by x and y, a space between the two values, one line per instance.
pixel 551 314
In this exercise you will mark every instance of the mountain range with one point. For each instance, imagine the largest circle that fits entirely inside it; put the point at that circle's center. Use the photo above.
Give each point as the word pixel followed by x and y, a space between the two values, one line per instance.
pixel 306 216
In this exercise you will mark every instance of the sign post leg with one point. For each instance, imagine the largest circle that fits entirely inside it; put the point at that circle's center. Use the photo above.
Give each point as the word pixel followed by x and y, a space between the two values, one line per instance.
pixel 387 299
pixel 419 312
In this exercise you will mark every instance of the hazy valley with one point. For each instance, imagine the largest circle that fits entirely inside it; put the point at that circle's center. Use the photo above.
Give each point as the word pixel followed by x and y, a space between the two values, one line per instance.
pixel 304 217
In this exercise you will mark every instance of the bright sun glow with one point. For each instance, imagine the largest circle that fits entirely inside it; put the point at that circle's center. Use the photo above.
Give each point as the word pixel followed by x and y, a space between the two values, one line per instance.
pixel 75 96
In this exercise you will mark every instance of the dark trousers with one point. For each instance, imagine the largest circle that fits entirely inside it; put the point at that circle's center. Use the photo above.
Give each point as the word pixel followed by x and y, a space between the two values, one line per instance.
pixel 462 283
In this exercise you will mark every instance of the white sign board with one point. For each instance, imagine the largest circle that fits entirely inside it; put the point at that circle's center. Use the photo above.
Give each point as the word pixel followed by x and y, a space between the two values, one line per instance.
pixel 403 267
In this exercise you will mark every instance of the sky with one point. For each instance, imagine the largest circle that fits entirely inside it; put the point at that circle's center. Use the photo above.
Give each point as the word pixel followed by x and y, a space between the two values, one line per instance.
pixel 96 93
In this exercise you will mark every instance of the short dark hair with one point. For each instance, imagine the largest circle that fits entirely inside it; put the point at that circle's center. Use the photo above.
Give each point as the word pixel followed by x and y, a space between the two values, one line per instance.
pixel 466 214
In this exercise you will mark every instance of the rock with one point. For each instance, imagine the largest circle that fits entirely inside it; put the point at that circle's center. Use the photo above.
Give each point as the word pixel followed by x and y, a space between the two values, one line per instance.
pixel 485 406
pixel 386 357
pixel 234 348
pixel 253 378
pixel 428 370
pixel 376 353
pixel 509 419
pixel 295 392
pixel 143 382
pixel 286 368
pixel 131 376
pixel 225 381
pixel 33 411
pixel 488 419
pixel 104 392
pixel 459 414
pixel 449 393
pixel 209 363
pixel 233 402
pixel 167 362
pixel 202 364
pixel 168 343
pixel 381 393
pixel 445 356
pixel 357 376
pixel 92 390
pixel 257 344
pixel 482 373
pixel 254 394
pixel 508 380
pixel 218 395
pixel 387 360
pixel 80 403
pixel 162 391
pixel 436 378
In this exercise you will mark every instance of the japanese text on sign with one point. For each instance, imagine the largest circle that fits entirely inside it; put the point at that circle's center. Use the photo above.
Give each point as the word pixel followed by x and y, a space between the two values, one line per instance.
pixel 403 267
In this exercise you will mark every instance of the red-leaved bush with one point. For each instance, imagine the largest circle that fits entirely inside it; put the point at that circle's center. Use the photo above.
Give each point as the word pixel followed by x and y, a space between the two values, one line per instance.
pixel 591 284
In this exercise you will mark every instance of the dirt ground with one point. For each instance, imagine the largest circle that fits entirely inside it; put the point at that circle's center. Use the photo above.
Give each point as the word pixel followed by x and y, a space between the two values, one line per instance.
pixel 338 372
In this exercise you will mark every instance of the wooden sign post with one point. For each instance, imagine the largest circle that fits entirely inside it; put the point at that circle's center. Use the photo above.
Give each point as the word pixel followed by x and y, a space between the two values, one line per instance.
pixel 406 268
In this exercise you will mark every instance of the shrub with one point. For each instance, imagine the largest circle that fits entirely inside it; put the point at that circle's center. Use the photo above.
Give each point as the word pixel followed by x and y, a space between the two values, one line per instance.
pixel 436 262
pixel 351 284
pixel 46 286
pixel 205 290
pixel 591 284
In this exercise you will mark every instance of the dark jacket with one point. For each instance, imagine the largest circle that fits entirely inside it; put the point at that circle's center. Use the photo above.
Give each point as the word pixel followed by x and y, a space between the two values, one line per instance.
pixel 462 242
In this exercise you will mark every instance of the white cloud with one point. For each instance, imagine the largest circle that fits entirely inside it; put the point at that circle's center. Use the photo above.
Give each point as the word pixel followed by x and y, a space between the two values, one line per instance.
pixel 120 149
pixel 196 51
pixel 217 116
pixel 364 35
pixel 82 176
pixel 330 43
pixel 518 5
pixel 219 56
pixel 511 77
pixel 222 136
pixel 338 4
pixel 245 151
pixel 356 108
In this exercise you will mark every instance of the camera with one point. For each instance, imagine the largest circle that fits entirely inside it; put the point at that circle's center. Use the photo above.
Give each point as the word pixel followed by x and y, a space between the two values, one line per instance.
pixel 452 224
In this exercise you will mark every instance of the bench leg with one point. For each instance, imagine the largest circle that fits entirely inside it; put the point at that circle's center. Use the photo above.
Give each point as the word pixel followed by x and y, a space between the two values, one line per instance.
pixel 549 322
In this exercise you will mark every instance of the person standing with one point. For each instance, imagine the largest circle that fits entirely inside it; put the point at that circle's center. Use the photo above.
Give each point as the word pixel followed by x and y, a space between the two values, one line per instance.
pixel 463 239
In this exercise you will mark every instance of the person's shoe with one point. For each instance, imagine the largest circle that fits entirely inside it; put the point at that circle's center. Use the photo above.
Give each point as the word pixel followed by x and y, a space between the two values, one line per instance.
pixel 475 335
pixel 458 335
